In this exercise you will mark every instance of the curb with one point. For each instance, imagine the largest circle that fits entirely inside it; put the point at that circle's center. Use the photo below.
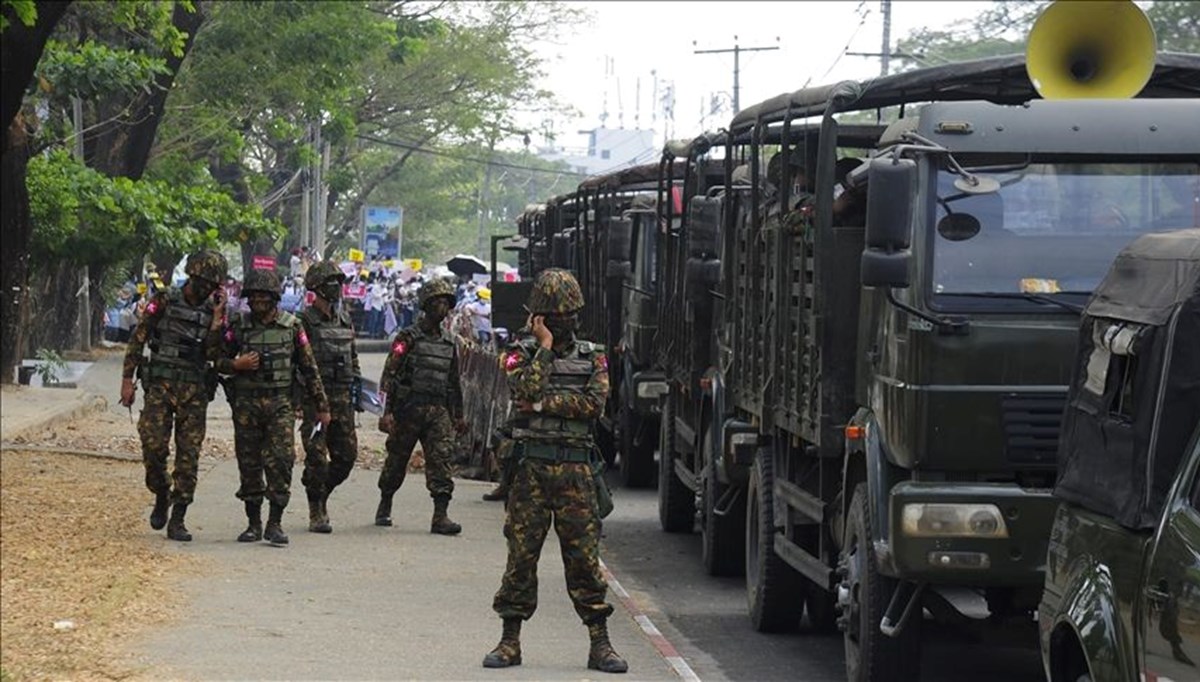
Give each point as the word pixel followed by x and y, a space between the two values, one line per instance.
pixel 80 407
pixel 661 644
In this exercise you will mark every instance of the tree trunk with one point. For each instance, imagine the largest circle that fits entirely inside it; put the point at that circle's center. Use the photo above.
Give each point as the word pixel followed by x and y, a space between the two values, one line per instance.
pixel 15 231
pixel 20 51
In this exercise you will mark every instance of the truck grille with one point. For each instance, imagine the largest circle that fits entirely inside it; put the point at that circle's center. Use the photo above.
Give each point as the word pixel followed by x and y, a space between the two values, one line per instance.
pixel 1032 422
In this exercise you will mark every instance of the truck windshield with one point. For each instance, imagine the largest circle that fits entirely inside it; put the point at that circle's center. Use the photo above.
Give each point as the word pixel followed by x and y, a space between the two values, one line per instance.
pixel 1054 226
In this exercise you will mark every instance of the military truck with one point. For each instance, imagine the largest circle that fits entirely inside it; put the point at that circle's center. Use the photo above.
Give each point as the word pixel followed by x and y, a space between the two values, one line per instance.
pixel 1122 588
pixel 890 382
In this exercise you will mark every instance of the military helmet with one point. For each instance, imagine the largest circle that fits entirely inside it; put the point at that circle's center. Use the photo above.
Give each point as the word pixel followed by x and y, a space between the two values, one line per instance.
pixel 262 280
pixel 207 264
pixel 555 291
pixel 434 288
pixel 319 273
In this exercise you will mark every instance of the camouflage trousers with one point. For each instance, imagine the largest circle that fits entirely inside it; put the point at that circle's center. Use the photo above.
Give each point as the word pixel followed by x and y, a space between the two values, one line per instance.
pixel 431 425
pixel 184 406
pixel 542 492
pixel 329 458
pixel 263 439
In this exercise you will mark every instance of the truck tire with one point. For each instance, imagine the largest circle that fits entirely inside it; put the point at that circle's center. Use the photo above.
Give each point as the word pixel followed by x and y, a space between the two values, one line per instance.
pixel 872 656
pixel 638 438
pixel 723 546
pixel 676 502
pixel 774 591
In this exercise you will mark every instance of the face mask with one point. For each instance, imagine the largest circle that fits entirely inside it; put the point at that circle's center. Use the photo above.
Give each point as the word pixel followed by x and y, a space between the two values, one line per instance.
pixel 437 309
pixel 203 288
pixel 330 291
pixel 261 304
pixel 562 327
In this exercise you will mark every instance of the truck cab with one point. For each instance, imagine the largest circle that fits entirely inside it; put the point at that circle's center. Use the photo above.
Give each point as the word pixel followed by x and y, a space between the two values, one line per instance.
pixel 1122 579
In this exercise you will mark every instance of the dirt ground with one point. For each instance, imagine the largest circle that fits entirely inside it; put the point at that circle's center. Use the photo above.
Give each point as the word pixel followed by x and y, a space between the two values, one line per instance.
pixel 79 573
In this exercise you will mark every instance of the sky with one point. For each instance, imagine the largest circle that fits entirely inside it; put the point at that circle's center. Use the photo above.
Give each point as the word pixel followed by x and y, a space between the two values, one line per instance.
pixel 623 42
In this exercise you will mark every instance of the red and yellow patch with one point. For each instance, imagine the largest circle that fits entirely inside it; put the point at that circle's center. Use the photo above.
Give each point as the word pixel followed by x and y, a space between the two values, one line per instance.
pixel 302 338
pixel 512 360
pixel 399 348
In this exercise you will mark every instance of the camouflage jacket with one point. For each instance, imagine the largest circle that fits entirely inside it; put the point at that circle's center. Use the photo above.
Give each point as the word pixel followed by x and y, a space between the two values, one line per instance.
pixel 302 361
pixel 528 368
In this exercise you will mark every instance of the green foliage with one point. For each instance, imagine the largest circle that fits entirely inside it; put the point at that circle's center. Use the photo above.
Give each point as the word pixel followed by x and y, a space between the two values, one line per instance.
pixel 50 366
pixel 24 10
pixel 1177 24
pixel 83 216
pixel 92 69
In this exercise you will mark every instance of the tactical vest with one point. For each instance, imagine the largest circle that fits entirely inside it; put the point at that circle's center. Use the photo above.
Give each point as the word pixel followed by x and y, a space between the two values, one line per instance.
pixel 427 379
pixel 569 375
pixel 332 344
pixel 177 350
pixel 275 345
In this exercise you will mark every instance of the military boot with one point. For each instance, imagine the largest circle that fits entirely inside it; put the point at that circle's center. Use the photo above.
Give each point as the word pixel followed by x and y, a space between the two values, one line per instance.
pixel 383 513
pixel 602 656
pixel 158 517
pixel 175 528
pixel 274 531
pixel 254 531
pixel 508 651
pixel 318 520
pixel 441 524
pixel 499 493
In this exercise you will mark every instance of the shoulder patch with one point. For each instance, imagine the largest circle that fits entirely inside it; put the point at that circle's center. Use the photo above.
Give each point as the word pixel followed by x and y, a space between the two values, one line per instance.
pixel 512 359
pixel 301 337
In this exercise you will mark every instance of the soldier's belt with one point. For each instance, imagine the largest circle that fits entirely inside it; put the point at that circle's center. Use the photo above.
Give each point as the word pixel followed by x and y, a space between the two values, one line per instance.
pixel 556 453
pixel 194 376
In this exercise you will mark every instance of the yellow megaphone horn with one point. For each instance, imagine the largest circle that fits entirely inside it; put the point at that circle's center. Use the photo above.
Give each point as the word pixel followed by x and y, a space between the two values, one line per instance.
pixel 1097 49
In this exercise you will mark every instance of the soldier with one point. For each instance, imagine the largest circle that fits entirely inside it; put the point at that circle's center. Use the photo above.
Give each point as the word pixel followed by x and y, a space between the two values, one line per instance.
pixel 183 329
pixel 423 401
pixel 558 385
pixel 262 350
pixel 329 455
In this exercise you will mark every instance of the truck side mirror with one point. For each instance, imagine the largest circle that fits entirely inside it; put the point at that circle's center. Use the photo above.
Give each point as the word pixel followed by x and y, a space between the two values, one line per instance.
pixel 889 207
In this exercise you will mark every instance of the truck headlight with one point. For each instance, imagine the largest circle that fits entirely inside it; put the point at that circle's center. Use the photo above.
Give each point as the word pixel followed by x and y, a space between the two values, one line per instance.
pixel 651 389
pixel 953 521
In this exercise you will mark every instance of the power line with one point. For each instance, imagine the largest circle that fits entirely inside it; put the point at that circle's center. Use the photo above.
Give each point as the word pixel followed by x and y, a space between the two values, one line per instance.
pixel 737 51
pixel 459 157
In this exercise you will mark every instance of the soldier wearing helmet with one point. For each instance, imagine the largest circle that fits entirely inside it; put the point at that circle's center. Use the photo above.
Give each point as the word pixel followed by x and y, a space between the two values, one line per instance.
pixel 182 327
pixel 329 454
pixel 559 385
pixel 423 401
pixel 264 350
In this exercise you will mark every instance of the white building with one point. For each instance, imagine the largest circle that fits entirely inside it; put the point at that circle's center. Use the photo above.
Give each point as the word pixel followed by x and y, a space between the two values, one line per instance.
pixel 608 149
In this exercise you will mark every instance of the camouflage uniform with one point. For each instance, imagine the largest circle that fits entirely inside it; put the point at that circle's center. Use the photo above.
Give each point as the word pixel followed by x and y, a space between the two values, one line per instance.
pixel 566 387
pixel 329 457
pixel 183 339
pixel 424 398
pixel 263 413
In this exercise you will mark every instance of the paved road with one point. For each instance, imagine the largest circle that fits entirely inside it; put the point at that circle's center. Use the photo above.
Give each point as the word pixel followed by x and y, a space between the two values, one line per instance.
pixel 706 617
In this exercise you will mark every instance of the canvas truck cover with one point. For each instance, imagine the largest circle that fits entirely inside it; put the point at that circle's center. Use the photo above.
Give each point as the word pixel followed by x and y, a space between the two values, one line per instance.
pixel 1134 399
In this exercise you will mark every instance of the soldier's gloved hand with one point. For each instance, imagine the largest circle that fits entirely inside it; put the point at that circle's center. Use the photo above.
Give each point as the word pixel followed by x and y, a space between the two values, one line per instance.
pixel 246 362
pixel 324 418
pixel 127 392
pixel 386 422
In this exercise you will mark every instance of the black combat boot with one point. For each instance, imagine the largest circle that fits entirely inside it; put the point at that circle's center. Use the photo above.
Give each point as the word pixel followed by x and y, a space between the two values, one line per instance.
pixel 254 531
pixel 274 532
pixel 441 524
pixel 602 656
pixel 383 513
pixel 318 520
pixel 158 517
pixel 175 528
pixel 498 494
pixel 508 651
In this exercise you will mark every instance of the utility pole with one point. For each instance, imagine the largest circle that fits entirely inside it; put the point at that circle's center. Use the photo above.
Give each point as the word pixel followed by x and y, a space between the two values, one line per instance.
pixel 83 294
pixel 886 48
pixel 737 51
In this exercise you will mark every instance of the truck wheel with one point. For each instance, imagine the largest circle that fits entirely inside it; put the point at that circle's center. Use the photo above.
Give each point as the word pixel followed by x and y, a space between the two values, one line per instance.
pixel 638 438
pixel 723 547
pixel 676 502
pixel 864 593
pixel 773 588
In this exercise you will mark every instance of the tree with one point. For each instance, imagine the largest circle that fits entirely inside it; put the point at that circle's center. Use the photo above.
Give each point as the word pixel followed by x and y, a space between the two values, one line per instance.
pixel 24 29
